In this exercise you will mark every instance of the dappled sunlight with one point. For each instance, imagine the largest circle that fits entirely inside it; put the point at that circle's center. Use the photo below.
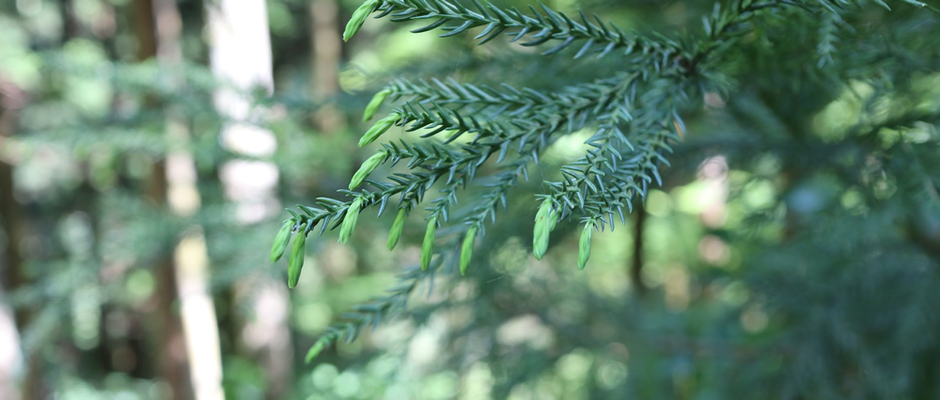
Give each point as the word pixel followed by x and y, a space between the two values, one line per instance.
pixel 644 201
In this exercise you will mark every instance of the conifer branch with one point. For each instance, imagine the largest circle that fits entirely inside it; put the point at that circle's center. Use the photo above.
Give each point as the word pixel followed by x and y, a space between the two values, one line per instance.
pixel 541 25
pixel 635 113
pixel 373 312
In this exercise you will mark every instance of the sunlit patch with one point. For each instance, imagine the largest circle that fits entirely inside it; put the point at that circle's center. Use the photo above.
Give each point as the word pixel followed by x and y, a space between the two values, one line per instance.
pixel 707 197
pixel 352 80
pixel 676 282
pixel 734 294
pixel 658 203
pixel 569 147
pixel 759 194
pixel 575 366
pixel 314 317
pixel 249 183
pixel 714 250
pixel 853 200
pixel 713 99
pixel 86 317
pixel 29 8
pixel 440 386
pixel 425 345
pixel 478 382
pixel 754 319
pixel 834 121
pixel 611 374
pixel 140 285
pixel 347 384
pixel 525 329
pixel 510 257
pixel 324 376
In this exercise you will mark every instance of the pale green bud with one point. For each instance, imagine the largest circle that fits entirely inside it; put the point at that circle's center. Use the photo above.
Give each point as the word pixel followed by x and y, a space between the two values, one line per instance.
pixel 369 165
pixel 349 222
pixel 358 18
pixel 395 233
pixel 374 105
pixel 467 250
pixel 296 262
pixel 428 246
pixel 545 221
pixel 315 350
pixel 379 128
pixel 584 245
pixel 281 240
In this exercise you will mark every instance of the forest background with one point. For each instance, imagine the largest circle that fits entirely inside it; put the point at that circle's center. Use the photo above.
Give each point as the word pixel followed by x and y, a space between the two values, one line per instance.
pixel 148 149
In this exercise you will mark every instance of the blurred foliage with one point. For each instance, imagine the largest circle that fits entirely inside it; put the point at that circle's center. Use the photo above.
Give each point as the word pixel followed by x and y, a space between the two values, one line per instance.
pixel 791 251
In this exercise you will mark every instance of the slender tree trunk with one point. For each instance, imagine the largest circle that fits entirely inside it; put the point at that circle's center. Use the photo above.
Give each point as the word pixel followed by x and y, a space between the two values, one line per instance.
pixel 167 328
pixel 636 266
pixel 327 48
pixel 241 56
pixel 11 100
pixel 70 25
pixel 144 29
pixel 185 276
pixel 11 359
pixel 324 61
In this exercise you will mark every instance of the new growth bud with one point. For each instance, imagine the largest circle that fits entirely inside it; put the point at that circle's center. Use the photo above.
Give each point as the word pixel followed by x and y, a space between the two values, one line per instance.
pixel 395 233
pixel 358 18
pixel 369 165
pixel 379 128
pixel 375 103
pixel 428 246
pixel 315 351
pixel 544 223
pixel 296 262
pixel 281 240
pixel 349 222
pixel 584 245
pixel 467 250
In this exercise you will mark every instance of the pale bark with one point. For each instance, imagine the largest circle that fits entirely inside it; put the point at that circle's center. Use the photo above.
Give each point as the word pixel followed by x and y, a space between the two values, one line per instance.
pixel 11 359
pixel 165 328
pixel 327 48
pixel 241 57
pixel 190 258
pixel 324 61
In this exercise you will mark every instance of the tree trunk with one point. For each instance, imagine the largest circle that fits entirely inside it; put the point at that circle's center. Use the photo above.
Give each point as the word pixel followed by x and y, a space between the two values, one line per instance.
pixel 191 258
pixel 11 100
pixel 324 61
pixel 241 55
pixel 636 267
pixel 186 346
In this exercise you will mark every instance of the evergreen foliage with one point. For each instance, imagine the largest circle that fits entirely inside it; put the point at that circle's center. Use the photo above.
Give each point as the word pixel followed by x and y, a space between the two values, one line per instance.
pixel 771 169
pixel 635 115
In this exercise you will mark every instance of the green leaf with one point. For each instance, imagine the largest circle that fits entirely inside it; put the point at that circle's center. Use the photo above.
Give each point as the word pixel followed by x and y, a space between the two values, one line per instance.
pixel 349 222
pixel 395 233
pixel 358 18
pixel 281 240
pixel 375 103
pixel 296 262
pixel 428 246
pixel 545 221
pixel 369 165
pixel 467 250
pixel 584 245
pixel 379 128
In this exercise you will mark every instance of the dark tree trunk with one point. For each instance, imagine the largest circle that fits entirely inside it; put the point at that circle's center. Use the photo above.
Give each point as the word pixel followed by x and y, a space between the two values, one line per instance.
pixel 12 99
pixel 165 329
pixel 636 266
